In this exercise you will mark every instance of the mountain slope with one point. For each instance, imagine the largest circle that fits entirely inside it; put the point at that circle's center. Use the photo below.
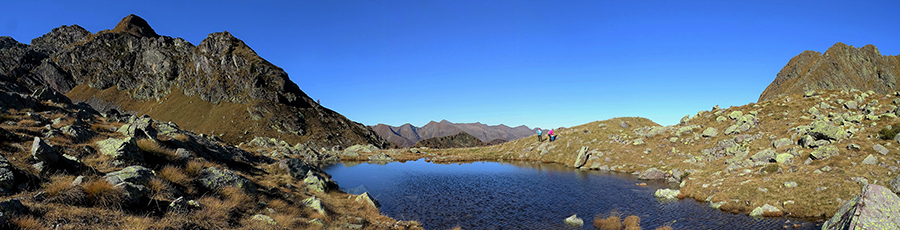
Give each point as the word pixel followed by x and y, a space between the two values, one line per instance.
pixel 407 135
pixel 842 67
pixel 221 86
pixel 458 140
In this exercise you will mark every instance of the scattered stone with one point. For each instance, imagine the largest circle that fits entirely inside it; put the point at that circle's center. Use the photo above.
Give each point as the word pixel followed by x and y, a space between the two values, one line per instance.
pixel 824 152
pixel 623 124
pixel 667 193
pixel 895 184
pixel 875 208
pixel 652 174
pixel 265 219
pixel 870 160
pixel 767 155
pixel 764 190
pixel 710 132
pixel 735 115
pixel 781 142
pixel 759 211
pixel 315 204
pixel 574 221
pixel 853 147
pixel 784 158
pixel 880 149
pixel 638 141
pixel 790 184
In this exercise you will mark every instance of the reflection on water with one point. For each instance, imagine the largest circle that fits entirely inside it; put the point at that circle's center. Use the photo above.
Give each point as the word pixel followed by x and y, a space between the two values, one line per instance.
pixel 519 195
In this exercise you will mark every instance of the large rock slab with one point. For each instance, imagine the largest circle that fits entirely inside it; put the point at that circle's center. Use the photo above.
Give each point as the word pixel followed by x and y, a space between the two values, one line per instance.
pixel 121 149
pixel 652 174
pixel 875 208
pixel 134 174
pixel 213 178
pixel 7 177
pixel 759 211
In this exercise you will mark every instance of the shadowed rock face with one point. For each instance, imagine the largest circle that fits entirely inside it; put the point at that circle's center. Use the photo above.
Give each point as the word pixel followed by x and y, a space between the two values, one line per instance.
pixel 842 67
pixel 460 140
pixel 132 68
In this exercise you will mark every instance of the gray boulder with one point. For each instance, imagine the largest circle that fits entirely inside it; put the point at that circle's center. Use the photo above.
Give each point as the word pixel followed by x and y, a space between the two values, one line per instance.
pixel 314 203
pixel 781 142
pixel 133 193
pixel 870 160
pixel 581 158
pixel 121 149
pixel 213 179
pixel 134 174
pixel 895 184
pixel 767 155
pixel 824 152
pixel 667 193
pixel 875 208
pixel 41 151
pixel 710 132
pixel 652 174
pixel 880 149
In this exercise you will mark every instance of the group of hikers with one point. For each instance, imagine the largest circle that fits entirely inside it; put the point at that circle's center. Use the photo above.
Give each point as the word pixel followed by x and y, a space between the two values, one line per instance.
pixel 550 135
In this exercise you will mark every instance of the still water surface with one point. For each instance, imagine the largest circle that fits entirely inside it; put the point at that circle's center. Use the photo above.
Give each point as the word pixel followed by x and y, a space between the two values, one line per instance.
pixel 517 195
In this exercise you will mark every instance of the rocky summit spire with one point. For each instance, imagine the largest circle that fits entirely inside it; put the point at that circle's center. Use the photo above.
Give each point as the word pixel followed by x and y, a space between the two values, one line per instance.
pixel 135 25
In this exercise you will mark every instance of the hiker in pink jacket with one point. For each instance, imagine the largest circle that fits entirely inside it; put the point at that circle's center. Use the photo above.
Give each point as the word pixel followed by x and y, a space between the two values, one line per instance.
pixel 550 136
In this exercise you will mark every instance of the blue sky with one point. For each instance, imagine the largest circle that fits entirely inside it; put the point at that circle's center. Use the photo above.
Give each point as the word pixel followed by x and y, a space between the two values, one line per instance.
pixel 537 63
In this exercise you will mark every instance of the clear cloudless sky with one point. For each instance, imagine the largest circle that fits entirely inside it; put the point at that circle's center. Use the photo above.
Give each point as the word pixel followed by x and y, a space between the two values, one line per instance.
pixel 537 63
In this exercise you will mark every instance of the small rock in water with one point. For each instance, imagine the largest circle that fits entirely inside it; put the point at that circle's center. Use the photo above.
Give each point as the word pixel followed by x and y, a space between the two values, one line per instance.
pixel 574 221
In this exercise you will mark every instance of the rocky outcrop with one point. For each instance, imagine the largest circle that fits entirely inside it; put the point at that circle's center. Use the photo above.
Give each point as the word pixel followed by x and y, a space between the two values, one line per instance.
pixel 407 135
pixel 128 66
pixel 875 208
pixel 459 140
pixel 841 67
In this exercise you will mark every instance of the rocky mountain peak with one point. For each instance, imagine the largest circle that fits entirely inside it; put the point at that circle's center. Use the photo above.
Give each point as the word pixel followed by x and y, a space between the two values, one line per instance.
pixel 223 43
pixel 841 67
pixel 132 24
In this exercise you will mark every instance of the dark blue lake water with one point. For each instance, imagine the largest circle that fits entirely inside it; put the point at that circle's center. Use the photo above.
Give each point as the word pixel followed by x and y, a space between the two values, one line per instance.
pixel 491 195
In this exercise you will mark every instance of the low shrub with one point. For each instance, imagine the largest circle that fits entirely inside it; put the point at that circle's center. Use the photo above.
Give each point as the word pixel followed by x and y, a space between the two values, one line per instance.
pixel 888 133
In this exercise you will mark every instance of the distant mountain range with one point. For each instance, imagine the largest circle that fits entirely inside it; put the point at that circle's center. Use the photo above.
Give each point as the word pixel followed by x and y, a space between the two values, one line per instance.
pixel 407 135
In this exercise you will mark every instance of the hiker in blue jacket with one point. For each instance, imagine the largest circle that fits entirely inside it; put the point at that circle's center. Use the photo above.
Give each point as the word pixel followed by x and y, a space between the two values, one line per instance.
pixel 540 132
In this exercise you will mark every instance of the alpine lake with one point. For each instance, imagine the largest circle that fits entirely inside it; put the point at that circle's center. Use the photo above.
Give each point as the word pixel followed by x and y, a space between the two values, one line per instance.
pixel 523 195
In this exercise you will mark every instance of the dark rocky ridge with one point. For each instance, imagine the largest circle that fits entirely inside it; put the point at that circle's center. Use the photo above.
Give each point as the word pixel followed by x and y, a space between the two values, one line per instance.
pixel 842 67
pixel 131 65
pixel 459 140
pixel 407 135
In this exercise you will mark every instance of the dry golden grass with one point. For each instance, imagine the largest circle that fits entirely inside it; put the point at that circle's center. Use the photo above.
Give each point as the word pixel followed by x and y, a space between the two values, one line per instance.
pixel 194 167
pixel 175 175
pixel 136 223
pixel 153 150
pixel 664 228
pixel 632 222
pixel 160 189
pixel 28 123
pixel 613 222
pixel 57 185
pixel 28 222
pixel 100 193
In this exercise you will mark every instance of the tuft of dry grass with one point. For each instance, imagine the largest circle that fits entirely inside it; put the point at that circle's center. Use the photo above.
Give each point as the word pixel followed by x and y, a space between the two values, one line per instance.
pixel 632 222
pixel 153 149
pixel 100 193
pixel 194 166
pixel 28 222
pixel 613 222
pixel 136 223
pixel 236 197
pixel 160 189
pixel 664 228
pixel 175 175
pixel 57 185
